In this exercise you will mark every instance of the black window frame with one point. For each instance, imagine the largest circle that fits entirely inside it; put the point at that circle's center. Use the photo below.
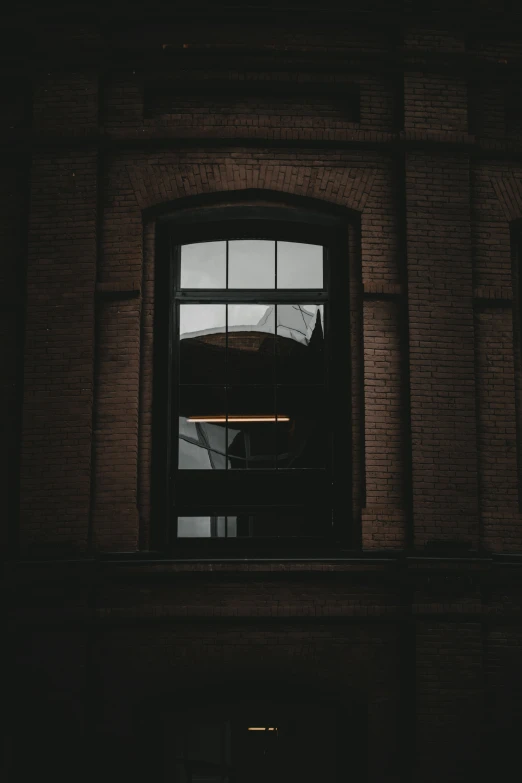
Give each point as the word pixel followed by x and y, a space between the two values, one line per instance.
pixel 516 272
pixel 265 220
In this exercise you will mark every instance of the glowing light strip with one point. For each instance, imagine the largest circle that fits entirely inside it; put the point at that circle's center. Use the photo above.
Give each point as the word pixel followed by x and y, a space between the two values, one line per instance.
pixel 260 728
pixel 237 419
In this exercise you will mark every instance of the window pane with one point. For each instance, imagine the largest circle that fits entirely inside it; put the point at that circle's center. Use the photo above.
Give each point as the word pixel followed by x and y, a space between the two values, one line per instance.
pixel 203 265
pixel 252 423
pixel 251 338
pixel 271 525
pixel 206 527
pixel 193 527
pixel 257 525
pixel 299 265
pixel 251 263
pixel 202 428
pixel 300 344
pixel 202 348
pixel 302 441
pixel 193 457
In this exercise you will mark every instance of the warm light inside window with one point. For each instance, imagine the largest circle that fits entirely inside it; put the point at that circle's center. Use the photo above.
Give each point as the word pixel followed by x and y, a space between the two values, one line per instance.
pixel 261 728
pixel 223 419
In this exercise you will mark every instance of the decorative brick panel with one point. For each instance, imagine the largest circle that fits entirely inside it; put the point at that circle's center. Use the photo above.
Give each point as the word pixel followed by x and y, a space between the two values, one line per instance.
pixel 65 103
pixel 445 490
pixel 435 103
pixel 57 421
pixel 115 515
pixel 383 411
pixel 12 225
pixel 497 432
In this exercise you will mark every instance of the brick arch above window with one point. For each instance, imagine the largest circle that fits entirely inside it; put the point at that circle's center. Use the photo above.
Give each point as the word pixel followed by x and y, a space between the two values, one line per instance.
pixel 135 186
pixel 155 184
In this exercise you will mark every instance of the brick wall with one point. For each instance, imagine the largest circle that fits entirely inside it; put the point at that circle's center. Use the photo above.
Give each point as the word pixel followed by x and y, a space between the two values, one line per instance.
pixel 404 126
pixel 415 244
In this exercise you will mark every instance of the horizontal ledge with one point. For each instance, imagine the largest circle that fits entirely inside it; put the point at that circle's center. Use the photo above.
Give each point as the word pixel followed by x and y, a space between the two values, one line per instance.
pixel 245 88
pixel 170 55
pixel 302 138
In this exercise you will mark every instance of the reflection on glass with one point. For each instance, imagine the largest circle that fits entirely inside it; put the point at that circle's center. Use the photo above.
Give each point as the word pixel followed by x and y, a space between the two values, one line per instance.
pixel 268 525
pixel 193 456
pixel 300 343
pixel 299 265
pixel 202 346
pixel 301 442
pixel 193 527
pixel 251 263
pixel 202 430
pixel 203 265
pixel 251 337
pixel 253 447
pixel 207 527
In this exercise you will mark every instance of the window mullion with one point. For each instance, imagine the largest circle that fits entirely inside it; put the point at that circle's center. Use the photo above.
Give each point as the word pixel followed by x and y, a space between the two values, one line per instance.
pixel 250 295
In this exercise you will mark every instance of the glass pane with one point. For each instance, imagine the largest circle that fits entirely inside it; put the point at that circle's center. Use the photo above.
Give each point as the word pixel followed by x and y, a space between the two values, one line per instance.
pixel 251 263
pixel 300 344
pixel 202 348
pixel 206 527
pixel 204 265
pixel 273 525
pixel 252 423
pixel 302 440
pixel 192 456
pixel 231 527
pixel 299 265
pixel 193 527
pixel 251 337
pixel 202 428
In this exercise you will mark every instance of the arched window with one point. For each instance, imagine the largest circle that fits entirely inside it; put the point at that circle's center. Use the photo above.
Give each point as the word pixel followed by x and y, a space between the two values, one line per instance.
pixel 252 408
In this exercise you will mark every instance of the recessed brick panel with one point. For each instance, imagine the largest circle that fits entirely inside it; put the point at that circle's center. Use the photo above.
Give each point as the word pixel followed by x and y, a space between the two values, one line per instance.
pixel 442 373
pixel 65 103
pixel 115 520
pixel 497 435
pixel 383 410
pixel 57 420
pixel 435 103
pixel 12 227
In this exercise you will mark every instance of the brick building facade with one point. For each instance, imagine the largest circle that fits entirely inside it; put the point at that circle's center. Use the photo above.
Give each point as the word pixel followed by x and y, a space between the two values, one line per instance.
pixel 405 638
